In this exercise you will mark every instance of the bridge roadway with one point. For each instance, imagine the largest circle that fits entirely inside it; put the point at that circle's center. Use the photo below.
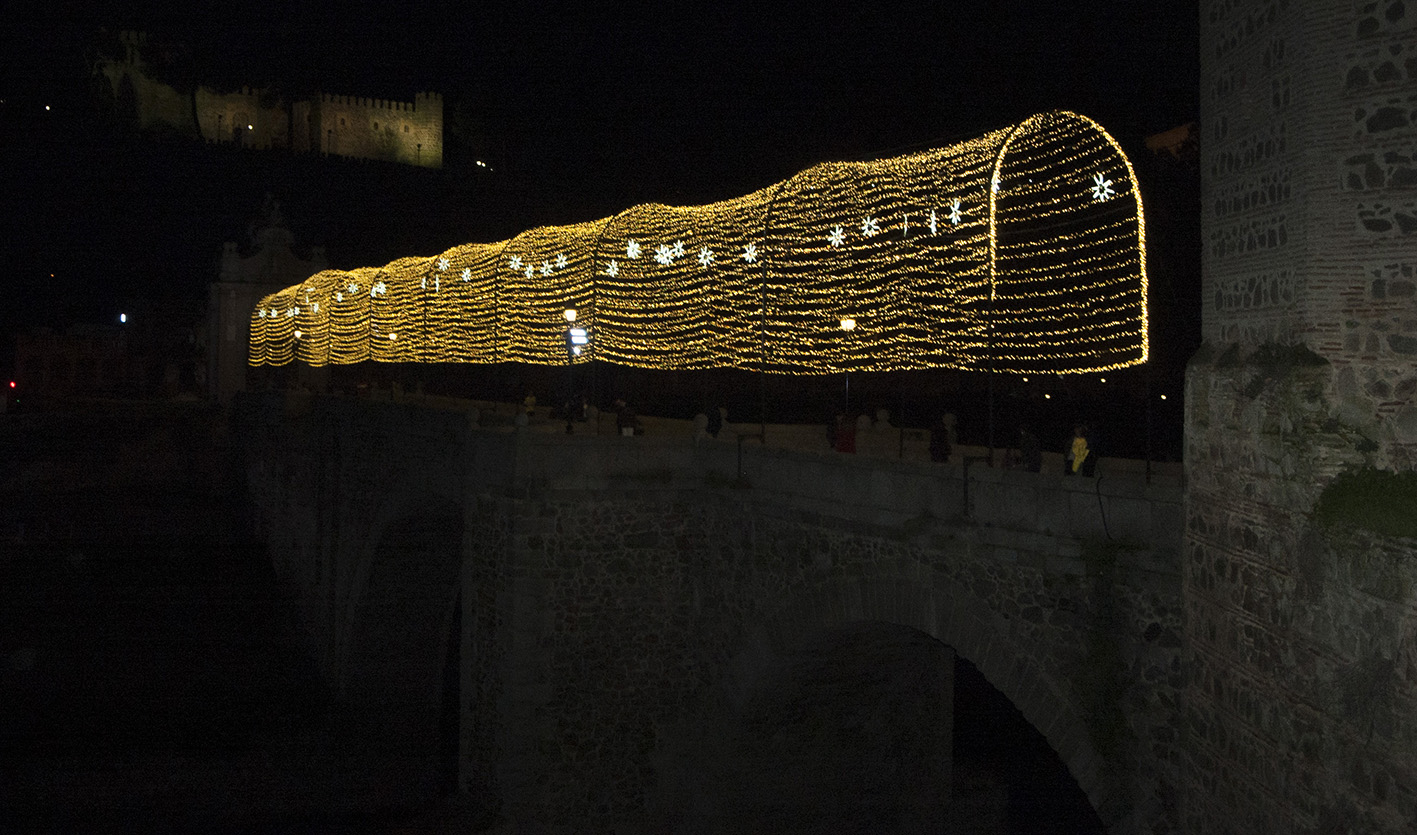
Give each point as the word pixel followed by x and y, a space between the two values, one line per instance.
pixel 608 607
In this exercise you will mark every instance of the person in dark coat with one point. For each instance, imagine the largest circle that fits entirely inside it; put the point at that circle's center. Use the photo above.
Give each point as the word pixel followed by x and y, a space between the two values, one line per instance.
pixel 844 438
pixel 715 421
pixel 625 419
pixel 941 445
pixel 1030 451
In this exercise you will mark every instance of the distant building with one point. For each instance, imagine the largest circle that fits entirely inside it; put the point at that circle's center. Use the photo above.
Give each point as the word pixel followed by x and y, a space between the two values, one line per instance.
pixel 241 282
pixel 392 131
pixel 155 350
pixel 55 365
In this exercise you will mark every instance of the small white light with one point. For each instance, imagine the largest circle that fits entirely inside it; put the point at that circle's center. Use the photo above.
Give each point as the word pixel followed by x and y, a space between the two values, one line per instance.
pixel 123 320
pixel 393 336
pixel 570 314
pixel 848 324
pixel 481 163
pixel 46 107
pixel 297 334
pixel 1103 379
pixel 248 127
pixel 1047 397
pixel 1163 397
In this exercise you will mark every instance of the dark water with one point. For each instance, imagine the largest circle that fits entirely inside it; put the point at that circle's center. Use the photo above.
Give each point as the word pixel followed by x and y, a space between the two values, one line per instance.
pixel 151 682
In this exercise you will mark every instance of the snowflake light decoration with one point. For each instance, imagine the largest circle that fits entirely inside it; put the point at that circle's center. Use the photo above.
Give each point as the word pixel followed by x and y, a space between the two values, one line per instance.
pixel 664 255
pixel 705 258
pixel 870 226
pixel 353 288
pixel 515 265
pixel 442 264
pixel 934 223
pixel 1101 188
pixel 994 184
pixel 560 260
pixel 339 297
pixel 632 249
pixel 545 268
pixel 677 251
pixel 467 274
pixel 380 289
pixel 837 237
pixel 954 213
pixel 530 271
pixel 750 253
pixel 612 269
pixel 261 313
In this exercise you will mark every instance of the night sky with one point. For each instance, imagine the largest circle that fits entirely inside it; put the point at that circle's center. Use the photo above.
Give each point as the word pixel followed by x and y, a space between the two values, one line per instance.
pixel 581 112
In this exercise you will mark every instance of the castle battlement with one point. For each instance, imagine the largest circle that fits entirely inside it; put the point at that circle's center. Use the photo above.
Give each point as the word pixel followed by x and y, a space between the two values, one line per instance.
pixel 342 125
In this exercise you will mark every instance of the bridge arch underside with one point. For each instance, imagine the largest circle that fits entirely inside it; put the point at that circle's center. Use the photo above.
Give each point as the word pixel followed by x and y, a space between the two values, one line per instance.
pixel 402 614
pixel 837 712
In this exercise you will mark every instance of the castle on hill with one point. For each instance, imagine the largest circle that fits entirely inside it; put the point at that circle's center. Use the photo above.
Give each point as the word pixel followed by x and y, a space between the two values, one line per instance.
pixel 392 131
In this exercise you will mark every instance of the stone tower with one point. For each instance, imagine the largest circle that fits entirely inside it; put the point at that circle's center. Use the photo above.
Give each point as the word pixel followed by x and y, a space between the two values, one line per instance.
pixel 1302 637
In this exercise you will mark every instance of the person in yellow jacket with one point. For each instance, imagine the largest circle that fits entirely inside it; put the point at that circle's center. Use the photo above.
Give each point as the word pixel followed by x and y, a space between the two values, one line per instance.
pixel 1076 453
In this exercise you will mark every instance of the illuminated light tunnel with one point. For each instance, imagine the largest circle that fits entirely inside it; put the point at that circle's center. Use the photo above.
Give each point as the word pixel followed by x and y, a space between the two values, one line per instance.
pixel 1022 250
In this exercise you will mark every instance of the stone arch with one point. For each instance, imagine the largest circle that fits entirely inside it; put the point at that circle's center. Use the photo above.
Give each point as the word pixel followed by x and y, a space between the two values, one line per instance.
pixel 954 617
pixel 399 610
pixel 848 731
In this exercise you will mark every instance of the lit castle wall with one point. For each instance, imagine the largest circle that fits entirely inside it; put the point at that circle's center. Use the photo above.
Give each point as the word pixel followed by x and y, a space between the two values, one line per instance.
pixel 394 131
pixel 1022 250
pixel 391 131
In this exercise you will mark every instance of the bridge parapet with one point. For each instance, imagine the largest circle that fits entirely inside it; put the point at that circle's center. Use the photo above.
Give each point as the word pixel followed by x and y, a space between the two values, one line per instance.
pixel 1127 507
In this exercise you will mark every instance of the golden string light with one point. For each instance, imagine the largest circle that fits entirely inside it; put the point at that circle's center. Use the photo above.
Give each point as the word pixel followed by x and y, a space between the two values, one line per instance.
pixel 1022 250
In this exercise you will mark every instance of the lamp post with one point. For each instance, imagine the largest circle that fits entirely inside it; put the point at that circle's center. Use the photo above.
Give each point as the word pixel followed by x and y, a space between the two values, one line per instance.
pixel 576 340
pixel 847 326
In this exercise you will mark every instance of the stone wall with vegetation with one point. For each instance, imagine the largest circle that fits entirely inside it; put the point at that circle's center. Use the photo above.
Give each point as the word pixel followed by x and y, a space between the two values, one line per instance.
pixel 1301 434
pixel 1300 606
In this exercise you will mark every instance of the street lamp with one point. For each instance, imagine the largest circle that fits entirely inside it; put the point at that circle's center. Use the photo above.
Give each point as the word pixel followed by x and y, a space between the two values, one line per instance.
pixel 847 326
pixel 576 341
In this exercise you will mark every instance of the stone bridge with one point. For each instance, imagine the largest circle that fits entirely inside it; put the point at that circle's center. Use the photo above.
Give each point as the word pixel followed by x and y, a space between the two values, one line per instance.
pixel 593 621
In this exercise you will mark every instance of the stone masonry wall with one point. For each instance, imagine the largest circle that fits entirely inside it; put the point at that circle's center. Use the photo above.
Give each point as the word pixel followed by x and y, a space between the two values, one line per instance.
pixel 626 617
pixel 1309 119
pixel 1301 661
